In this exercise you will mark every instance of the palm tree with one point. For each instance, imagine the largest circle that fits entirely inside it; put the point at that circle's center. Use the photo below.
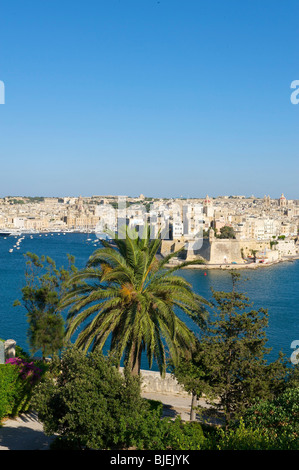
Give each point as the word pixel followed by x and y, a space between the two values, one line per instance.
pixel 127 294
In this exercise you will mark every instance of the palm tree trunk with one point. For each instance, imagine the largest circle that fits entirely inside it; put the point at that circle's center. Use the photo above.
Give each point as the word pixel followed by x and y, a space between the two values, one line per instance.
pixel 136 368
pixel 136 363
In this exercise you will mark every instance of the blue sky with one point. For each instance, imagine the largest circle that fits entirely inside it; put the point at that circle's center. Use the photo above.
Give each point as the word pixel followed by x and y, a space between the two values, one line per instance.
pixel 160 97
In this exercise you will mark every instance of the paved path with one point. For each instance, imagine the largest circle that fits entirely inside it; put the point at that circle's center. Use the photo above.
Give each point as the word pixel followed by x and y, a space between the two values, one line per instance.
pixel 174 405
pixel 26 432
pixel 23 433
pixel 180 405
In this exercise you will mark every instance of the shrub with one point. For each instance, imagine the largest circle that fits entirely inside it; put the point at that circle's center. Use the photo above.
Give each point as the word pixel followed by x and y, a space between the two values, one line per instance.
pixel 268 425
pixel 17 379
pixel 9 389
pixel 243 438
pixel 28 371
pixel 151 432
pixel 278 417
pixel 181 435
pixel 89 404
pixel 249 438
pixel 21 353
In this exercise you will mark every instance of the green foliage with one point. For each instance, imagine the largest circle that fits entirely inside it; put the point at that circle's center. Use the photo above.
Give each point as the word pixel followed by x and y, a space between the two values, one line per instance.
pixel 189 374
pixel 226 232
pixel 250 437
pixel 89 404
pixel 156 405
pixel 243 438
pixel 185 436
pixel 87 401
pixel 293 377
pixel 280 417
pixel 128 295
pixel 17 380
pixel 40 297
pixel 155 433
pixel 230 361
pixel 267 425
pixel 21 353
pixel 193 375
pixel 9 389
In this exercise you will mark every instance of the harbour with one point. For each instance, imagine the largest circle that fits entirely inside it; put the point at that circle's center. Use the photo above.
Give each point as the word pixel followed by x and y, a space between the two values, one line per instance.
pixel 275 288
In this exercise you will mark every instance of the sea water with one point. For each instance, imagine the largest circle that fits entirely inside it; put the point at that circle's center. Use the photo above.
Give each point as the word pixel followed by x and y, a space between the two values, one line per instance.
pixel 275 288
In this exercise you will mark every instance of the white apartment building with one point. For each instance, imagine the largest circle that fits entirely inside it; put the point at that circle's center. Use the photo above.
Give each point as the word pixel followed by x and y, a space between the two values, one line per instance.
pixel 177 229
pixel 107 218
pixel 19 222
pixel 257 228
pixel 288 229
pixel 193 220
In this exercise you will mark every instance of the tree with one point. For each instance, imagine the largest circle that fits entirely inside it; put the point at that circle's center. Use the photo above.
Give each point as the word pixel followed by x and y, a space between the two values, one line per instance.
pixel 227 232
pixel 293 376
pixel 88 404
pixel 191 376
pixel 86 401
pixel 128 295
pixel 254 252
pixel 232 355
pixel 40 297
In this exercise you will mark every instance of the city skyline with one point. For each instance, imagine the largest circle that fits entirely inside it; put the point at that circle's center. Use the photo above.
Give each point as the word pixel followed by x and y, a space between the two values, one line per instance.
pixel 147 196
pixel 237 225
pixel 165 98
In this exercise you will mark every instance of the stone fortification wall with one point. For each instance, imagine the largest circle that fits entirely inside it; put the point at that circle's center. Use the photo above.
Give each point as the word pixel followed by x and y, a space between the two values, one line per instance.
pixel 170 246
pixel 225 251
pixel 204 251
pixel 218 251
pixel 230 250
pixel 248 245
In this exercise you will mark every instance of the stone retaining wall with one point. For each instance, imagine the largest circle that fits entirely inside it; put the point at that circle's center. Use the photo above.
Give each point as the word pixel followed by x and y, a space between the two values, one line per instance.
pixel 152 382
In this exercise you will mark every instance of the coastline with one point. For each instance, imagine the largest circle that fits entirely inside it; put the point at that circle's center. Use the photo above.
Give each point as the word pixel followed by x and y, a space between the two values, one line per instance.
pixel 229 266
pixel 204 266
